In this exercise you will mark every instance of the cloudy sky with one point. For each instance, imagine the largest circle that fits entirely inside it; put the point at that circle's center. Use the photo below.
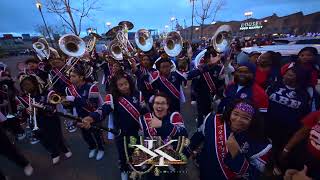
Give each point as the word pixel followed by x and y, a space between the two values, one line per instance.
pixel 21 16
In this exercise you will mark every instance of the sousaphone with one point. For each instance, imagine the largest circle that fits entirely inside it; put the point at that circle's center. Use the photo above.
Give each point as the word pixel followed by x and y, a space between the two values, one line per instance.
pixel 143 40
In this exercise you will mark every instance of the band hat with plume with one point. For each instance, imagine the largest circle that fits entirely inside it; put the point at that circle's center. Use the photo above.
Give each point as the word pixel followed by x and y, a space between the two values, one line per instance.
pixel 41 83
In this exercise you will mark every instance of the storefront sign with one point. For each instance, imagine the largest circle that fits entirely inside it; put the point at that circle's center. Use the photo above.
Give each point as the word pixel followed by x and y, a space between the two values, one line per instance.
pixel 251 25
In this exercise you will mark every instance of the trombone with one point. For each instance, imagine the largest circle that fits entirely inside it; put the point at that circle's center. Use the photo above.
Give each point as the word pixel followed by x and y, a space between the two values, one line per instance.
pixel 72 46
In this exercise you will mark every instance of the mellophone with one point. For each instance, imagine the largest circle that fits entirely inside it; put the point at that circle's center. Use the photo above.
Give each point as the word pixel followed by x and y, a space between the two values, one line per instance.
pixel 75 118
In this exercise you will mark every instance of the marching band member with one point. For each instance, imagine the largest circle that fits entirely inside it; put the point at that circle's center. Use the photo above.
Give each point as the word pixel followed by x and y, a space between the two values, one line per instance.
pixel 143 73
pixel 161 122
pixel 234 144
pixel 61 82
pixel 207 87
pixel 8 105
pixel 164 124
pixel 107 72
pixel 85 98
pixel 127 105
pixel 169 82
pixel 33 68
pixel 244 87
pixel 49 132
pixel 10 151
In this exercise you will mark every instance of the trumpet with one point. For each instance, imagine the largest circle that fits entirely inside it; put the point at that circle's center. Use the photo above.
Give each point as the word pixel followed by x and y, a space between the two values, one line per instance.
pixel 33 113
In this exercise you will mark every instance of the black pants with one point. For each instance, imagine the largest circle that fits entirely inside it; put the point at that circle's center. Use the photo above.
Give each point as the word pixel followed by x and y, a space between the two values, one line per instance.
pixel 50 135
pixel 204 107
pixel 13 125
pixel 93 138
pixel 10 151
pixel 123 166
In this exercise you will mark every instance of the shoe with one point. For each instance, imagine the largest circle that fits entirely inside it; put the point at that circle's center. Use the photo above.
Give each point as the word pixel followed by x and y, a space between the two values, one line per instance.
pixel 28 170
pixel 193 102
pixel 68 154
pixel 34 140
pixel 92 153
pixel 21 136
pixel 72 128
pixel 100 155
pixel 55 160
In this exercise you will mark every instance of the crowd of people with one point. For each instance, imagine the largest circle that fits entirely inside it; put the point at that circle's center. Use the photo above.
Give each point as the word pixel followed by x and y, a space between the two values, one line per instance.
pixel 256 118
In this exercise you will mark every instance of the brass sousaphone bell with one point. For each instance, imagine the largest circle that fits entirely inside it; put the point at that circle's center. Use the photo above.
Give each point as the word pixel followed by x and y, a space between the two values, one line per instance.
pixel 72 45
pixel 220 41
pixel 115 50
pixel 143 40
pixel 173 44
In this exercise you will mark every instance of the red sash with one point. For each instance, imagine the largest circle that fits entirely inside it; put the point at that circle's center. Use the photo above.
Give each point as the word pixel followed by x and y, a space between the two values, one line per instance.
pixel 210 82
pixel 221 148
pixel 151 131
pixel 171 87
pixel 129 108
pixel 73 91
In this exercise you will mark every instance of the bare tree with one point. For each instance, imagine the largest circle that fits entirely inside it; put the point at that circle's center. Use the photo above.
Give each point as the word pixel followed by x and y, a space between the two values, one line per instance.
pixel 52 30
pixel 71 11
pixel 206 10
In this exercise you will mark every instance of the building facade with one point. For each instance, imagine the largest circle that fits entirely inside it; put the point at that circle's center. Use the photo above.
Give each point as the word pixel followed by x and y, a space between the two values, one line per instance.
pixel 296 23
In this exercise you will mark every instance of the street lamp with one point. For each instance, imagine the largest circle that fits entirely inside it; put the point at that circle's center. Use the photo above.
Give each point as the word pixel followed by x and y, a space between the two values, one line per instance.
pixel 39 5
pixel 248 14
pixel 192 1
pixel 108 24
pixel 172 20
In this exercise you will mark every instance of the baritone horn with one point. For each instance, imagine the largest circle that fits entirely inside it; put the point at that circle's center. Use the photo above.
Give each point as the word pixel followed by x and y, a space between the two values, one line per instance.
pixel 42 48
pixel 92 41
pixel 173 44
pixel 143 40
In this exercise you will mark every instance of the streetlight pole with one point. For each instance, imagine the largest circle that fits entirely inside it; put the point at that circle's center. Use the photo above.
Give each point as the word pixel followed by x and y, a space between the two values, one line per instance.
pixel 172 20
pixel 192 19
pixel 39 5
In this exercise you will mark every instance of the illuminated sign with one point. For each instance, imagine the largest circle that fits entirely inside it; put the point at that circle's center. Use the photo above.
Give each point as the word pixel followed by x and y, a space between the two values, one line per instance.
pixel 251 25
